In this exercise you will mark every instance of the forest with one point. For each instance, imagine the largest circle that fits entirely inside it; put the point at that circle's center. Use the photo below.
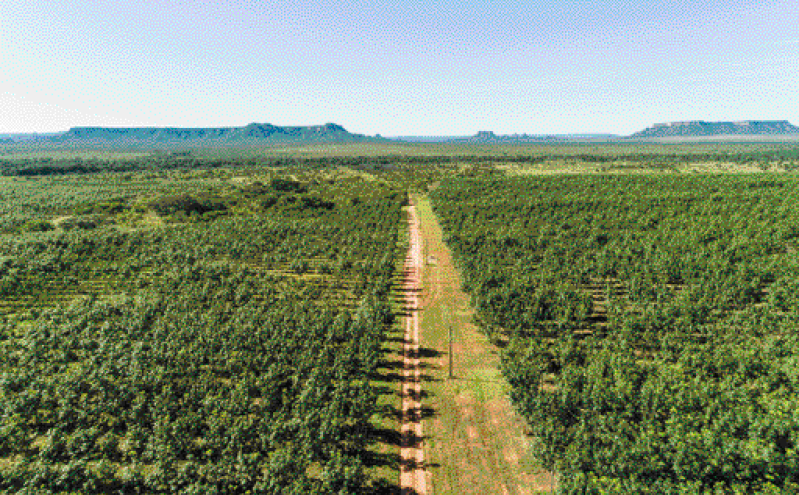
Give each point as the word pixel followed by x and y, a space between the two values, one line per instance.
pixel 407 157
pixel 648 324
pixel 187 323
pixel 192 335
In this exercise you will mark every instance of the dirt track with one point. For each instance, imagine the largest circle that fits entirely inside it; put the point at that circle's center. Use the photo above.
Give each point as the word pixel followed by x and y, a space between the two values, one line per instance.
pixel 413 476
pixel 474 442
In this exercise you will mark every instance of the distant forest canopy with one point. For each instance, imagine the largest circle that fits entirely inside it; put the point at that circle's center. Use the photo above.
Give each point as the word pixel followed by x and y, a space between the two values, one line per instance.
pixel 659 158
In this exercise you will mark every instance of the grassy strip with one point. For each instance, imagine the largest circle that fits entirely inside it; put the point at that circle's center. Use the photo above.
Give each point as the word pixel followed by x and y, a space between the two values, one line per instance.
pixel 474 441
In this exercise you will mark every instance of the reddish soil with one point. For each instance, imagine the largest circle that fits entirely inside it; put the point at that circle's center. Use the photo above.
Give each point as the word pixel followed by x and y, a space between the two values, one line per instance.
pixel 413 475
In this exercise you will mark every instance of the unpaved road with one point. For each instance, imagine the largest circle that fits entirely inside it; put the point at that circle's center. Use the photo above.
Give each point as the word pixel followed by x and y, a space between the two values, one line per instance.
pixel 474 442
pixel 413 475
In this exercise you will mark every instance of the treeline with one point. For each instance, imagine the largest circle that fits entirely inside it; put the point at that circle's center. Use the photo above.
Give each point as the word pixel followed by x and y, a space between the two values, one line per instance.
pixel 649 324
pixel 166 162
pixel 786 156
pixel 65 166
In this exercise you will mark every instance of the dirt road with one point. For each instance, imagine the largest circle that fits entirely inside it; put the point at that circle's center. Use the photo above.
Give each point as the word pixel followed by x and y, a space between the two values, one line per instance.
pixel 474 442
pixel 413 476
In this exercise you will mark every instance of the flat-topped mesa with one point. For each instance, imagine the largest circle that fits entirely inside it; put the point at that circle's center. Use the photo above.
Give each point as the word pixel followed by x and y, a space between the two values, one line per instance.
pixel 696 128
pixel 254 133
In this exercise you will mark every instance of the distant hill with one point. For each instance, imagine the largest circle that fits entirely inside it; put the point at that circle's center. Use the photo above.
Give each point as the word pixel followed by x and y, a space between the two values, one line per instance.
pixel 700 128
pixel 252 134
pixel 489 137
pixel 26 136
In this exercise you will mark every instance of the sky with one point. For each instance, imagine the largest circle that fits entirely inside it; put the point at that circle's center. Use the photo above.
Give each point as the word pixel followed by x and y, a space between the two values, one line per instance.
pixel 397 67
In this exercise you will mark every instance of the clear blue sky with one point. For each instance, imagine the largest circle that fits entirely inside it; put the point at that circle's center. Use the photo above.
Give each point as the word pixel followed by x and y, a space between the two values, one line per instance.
pixel 397 67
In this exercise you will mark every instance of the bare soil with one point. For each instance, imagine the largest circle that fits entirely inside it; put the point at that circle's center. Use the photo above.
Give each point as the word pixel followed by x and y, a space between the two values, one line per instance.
pixel 413 475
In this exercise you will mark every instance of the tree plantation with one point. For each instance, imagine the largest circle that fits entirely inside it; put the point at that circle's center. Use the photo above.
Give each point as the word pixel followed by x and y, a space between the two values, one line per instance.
pixel 648 324
pixel 188 323
pixel 216 342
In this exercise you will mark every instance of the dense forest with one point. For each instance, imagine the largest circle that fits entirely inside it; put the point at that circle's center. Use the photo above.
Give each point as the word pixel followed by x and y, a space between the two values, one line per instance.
pixel 648 324
pixel 192 335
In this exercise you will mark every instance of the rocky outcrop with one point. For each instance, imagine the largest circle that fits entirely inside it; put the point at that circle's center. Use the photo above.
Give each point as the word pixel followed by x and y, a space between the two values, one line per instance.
pixel 489 137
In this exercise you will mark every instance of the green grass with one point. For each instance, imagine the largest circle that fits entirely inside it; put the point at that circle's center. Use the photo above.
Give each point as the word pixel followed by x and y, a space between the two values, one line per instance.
pixel 474 442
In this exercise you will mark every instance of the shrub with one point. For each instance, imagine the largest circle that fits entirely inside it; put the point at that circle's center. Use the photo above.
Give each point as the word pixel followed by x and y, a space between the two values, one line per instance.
pixel 287 185
pixel 37 226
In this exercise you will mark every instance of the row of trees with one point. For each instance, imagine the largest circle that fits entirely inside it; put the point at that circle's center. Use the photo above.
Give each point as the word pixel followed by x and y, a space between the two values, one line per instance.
pixel 191 358
pixel 650 323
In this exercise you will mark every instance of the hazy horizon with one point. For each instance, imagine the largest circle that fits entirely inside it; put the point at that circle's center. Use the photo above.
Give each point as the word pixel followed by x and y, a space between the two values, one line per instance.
pixel 407 68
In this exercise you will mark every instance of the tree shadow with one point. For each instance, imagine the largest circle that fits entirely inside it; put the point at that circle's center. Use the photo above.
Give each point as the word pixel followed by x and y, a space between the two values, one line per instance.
pixel 427 352
pixel 384 440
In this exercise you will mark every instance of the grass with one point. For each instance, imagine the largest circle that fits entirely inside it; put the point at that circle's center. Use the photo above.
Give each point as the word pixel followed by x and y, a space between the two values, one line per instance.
pixel 563 166
pixel 474 442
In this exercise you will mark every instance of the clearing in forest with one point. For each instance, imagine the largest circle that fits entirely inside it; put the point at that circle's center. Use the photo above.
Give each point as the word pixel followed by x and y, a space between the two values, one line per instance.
pixel 473 440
